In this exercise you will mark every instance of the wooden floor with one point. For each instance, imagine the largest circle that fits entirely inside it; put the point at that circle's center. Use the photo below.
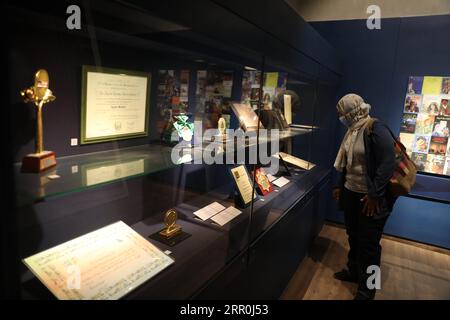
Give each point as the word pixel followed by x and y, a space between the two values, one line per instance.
pixel 408 270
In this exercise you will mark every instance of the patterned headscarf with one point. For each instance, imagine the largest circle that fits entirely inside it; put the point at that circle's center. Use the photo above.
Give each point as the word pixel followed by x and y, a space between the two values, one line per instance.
pixel 353 107
pixel 356 111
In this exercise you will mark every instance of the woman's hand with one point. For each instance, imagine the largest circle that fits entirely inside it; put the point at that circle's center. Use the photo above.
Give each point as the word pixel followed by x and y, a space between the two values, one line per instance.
pixel 337 194
pixel 370 206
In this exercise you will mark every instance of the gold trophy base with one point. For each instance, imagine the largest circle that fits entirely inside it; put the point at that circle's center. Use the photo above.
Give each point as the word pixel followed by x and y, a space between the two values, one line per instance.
pixel 170 232
pixel 38 162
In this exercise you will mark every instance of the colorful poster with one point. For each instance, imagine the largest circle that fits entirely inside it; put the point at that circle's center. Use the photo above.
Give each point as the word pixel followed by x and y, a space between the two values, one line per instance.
pixel 438 145
pixel 420 160
pixel 415 85
pixel 444 108
pixel 407 139
pixel 172 94
pixel 432 85
pixel 213 94
pixel 435 164
pixel 271 79
pixel 445 89
pixel 441 126
pixel 412 103
pixel 431 104
pixel 421 143
pixel 408 123
pixel 424 123
pixel 274 84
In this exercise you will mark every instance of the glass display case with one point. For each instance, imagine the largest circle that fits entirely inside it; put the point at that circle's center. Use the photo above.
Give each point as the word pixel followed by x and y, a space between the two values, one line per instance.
pixel 160 125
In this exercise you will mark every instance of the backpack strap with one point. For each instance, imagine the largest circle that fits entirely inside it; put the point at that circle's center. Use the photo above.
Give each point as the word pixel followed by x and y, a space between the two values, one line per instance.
pixel 369 130
pixel 369 126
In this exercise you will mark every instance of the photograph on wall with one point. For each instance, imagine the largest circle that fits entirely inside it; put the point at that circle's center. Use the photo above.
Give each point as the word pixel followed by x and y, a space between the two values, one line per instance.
pixel 407 139
pixel 420 160
pixel 435 164
pixel 408 123
pixel 445 88
pixel 415 85
pixel 444 108
pixel 412 103
pixel 441 126
pixel 421 143
pixel 424 123
pixel 438 145
pixel 431 105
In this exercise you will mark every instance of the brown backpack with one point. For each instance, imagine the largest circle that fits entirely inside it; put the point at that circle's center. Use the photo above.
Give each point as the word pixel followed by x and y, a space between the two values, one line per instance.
pixel 404 176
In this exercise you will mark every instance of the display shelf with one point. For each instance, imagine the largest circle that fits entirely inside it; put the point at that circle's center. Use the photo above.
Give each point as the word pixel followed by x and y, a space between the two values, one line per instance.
pixel 92 170
pixel 81 172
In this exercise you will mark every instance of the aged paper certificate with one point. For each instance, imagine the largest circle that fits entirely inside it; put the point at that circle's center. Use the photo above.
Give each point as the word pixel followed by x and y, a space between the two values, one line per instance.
pixel 105 264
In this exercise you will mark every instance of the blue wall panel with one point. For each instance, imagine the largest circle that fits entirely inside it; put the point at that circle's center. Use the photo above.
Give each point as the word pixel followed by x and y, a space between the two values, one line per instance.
pixel 376 65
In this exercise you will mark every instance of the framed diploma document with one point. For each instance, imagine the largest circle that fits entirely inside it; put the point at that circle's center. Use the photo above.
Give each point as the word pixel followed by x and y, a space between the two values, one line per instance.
pixel 115 104
pixel 243 184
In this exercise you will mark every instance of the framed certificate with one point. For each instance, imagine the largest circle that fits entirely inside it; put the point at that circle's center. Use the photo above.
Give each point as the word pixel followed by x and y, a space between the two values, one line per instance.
pixel 243 184
pixel 115 104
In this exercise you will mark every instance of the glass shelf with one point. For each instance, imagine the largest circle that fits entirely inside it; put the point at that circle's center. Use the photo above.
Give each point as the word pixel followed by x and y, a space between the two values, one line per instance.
pixel 77 173
pixel 81 172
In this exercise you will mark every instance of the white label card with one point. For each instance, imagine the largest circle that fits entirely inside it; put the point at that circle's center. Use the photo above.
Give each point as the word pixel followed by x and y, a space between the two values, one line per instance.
pixel 280 182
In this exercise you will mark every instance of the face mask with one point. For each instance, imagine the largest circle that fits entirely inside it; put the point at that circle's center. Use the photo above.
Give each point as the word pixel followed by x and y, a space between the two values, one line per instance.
pixel 345 122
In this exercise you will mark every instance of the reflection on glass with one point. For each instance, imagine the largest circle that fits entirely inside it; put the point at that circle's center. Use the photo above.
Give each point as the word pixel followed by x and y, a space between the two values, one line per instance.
pixel 105 173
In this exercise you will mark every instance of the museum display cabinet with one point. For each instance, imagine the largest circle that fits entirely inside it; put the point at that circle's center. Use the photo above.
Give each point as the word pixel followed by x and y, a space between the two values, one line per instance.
pixel 147 100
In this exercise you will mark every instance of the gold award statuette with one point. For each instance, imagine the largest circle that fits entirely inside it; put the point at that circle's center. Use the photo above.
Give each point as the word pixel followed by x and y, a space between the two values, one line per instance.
pixel 39 94
pixel 222 129
pixel 172 229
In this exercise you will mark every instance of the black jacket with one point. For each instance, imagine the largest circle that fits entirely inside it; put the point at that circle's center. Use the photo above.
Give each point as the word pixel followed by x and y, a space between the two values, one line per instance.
pixel 380 165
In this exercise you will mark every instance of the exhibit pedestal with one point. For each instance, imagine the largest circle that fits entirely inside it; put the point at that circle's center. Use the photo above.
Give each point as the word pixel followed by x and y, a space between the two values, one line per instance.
pixel 37 162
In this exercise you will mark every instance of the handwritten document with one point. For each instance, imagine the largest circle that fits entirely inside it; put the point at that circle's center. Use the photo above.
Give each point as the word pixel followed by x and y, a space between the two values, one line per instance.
pixel 226 216
pixel 209 211
pixel 105 264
